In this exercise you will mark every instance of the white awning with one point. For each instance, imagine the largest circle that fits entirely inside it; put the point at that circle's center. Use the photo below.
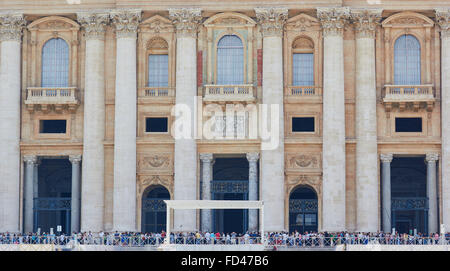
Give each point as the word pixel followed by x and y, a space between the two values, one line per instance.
pixel 214 204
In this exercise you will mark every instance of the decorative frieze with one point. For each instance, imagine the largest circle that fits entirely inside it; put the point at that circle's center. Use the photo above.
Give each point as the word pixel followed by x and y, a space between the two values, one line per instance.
pixel 155 162
pixel 366 21
pixel 11 26
pixel 126 22
pixel 333 20
pixel 295 161
pixel 94 24
pixel 272 20
pixel 186 20
pixel 443 19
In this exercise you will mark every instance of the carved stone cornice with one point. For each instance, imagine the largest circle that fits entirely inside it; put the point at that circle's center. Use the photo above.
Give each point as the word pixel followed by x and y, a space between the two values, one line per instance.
pixel 386 157
pixel 333 20
pixel 126 22
pixel 11 26
pixel 431 157
pixel 186 21
pixel 75 159
pixel 272 20
pixel 365 21
pixel 253 156
pixel 94 24
pixel 30 159
pixel 443 19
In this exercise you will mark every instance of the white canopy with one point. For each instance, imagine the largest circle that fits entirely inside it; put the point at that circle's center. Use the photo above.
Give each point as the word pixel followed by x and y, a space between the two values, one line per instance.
pixel 214 204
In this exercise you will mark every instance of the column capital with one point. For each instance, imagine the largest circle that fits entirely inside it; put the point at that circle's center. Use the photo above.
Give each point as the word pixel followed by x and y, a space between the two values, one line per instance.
pixel 186 21
pixel 94 24
pixel 75 159
pixel 333 20
pixel 126 22
pixel 386 157
pixel 30 159
pixel 11 26
pixel 431 157
pixel 443 19
pixel 253 156
pixel 206 157
pixel 272 20
pixel 366 21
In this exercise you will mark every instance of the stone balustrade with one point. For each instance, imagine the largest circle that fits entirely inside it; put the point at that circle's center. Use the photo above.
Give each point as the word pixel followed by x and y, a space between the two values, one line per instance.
pixel 303 91
pixel 230 93
pixel 159 94
pixel 58 97
pixel 403 94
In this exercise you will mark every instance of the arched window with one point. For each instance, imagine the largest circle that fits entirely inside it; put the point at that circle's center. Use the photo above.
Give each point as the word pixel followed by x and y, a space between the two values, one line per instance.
pixel 230 61
pixel 158 63
pixel 55 63
pixel 302 62
pixel 407 61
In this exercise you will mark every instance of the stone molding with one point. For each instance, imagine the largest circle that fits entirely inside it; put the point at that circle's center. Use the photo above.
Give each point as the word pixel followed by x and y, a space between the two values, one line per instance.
pixel 253 156
pixel 272 20
pixel 431 157
pixel 75 159
pixel 30 159
pixel 206 157
pixel 186 21
pixel 11 26
pixel 333 20
pixel 386 157
pixel 312 181
pixel 366 22
pixel 94 24
pixel 126 22
pixel 443 19
pixel 143 182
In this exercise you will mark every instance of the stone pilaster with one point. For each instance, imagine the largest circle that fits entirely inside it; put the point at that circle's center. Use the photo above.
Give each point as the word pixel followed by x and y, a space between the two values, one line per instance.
pixel 443 19
pixel 185 165
pixel 253 158
pixel 92 186
pixel 333 21
pixel 271 21
pixel 365 22
pixel 11 26
pixel 431 159
pixel 30 161
pixel 206 159
pixel 386 212
pixel 124 207
pixel 76 195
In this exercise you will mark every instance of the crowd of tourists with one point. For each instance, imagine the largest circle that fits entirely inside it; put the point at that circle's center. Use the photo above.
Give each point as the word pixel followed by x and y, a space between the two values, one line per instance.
pixel 295 239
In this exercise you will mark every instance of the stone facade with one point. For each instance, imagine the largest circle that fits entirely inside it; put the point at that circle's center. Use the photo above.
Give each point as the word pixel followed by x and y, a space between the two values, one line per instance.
pixel 345 160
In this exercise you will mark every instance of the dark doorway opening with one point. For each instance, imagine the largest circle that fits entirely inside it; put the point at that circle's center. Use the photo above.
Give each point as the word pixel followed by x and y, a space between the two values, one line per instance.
pixel 154 210
pixel 303 206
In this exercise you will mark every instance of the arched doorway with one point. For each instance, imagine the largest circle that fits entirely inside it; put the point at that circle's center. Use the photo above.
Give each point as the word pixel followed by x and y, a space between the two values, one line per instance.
pixel 303 206
pixel 154 209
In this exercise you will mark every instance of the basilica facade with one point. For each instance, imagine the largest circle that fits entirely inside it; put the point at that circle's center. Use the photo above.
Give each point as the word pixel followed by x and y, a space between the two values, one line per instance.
pixel 334 113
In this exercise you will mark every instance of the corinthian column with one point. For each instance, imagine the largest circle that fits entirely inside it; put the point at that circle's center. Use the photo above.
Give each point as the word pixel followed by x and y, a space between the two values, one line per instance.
pixel 253 158
pixel 443 19
pixel 386 211
pixel 76 199
pixel 124 207
pixel 185 165
pixel 92 188
pixel 272 21
pixel 333 147
pixel 431 159
pixel 365 22
pixel 28 193
pixel 206 159
pixel 10 38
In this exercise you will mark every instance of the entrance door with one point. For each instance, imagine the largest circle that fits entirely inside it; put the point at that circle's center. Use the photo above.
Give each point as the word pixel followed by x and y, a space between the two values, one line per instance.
pixel 303 206
pixel 154 209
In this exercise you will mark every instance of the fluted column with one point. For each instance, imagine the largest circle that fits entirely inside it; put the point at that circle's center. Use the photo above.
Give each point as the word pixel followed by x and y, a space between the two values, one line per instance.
pixel 272 21
pixel 28 193
pixel 76 196
pixel 431 159
pixel 185 164
pixel 333 148
pixel 10 77
pixel 253 158
pixel 367 203
pixel 206 159
pixel 443 19
pixel 92 188
pixel 386 212
pixel 124 206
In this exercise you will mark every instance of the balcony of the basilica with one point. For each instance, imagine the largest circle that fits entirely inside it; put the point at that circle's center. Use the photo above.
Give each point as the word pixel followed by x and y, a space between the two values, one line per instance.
pixel 403 96
pixel 295 94
pixel 156 94
pixel 57 98
pixel 229 93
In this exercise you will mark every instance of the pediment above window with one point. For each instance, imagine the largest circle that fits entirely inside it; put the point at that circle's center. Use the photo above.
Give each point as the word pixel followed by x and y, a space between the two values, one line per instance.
pixel 53 23
pixel 407 20
pixel 156 24
pixel 301 22
pixel 229 19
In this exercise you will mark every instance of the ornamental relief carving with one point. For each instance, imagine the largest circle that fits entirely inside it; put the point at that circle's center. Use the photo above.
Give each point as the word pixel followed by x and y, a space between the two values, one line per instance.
pixel 156 24
pixel 303 43
pixel 157 43
pixel 146 181
pixel 302 23
pixel 313 181
pixel 160 162
pixel 303 161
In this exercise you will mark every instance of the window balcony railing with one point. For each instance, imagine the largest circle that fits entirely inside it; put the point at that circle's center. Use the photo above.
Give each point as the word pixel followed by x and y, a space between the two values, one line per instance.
pixel 303 91
pixel 58 97
pixel 229 93
pixel 408 94
pixel 160 94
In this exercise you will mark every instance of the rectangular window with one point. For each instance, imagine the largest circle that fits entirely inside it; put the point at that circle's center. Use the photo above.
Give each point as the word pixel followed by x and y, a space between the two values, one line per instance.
pixel 303 69
pixel 408 125
pixel 158 70
pixel 52 126
pixel 303 124
pixel 156 125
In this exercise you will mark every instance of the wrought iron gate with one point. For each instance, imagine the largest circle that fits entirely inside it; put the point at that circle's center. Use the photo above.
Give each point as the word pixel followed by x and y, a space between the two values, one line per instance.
pixel 52 204
pixel 303 215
